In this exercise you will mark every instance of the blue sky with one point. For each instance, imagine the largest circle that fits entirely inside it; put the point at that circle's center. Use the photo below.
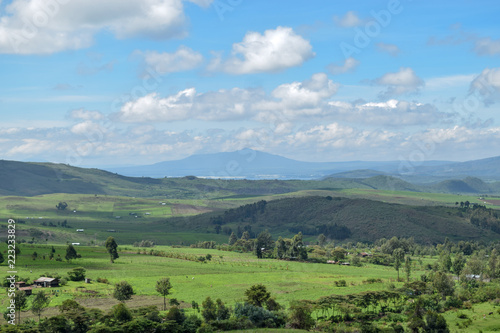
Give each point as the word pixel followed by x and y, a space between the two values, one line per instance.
pixel 126 82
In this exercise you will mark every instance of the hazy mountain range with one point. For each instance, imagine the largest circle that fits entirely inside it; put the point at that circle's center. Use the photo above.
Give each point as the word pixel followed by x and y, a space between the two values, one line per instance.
pixel 252 164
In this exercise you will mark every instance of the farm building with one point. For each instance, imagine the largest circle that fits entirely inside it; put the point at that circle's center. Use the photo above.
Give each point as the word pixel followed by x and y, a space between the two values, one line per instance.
pixel 79 230
pixel 46 282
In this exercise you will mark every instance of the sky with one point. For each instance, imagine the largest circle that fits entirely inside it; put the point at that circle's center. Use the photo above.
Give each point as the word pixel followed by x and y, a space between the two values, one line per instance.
pixel 126 82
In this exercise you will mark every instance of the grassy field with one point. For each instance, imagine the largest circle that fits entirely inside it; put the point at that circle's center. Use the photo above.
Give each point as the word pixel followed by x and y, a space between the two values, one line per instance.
pixel 226 276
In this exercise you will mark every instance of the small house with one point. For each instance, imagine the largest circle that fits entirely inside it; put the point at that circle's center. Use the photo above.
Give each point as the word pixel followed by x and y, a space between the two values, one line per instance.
pixel 46 282
pixel 21 284
pixel 27 290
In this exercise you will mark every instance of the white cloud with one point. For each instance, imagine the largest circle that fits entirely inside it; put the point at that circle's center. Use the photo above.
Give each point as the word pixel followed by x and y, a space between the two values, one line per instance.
pixel 487 84
pixel 307 94
pixel 152 108
pixel 86 114
pixel 31 147
pixel 349 20
pixel 86 128
pixel 392 49
pixel 444 82
pixel 350 64
pixel 181 60
pixel 487 46
pixel 41 27
pixel 273 51
pixel 398 83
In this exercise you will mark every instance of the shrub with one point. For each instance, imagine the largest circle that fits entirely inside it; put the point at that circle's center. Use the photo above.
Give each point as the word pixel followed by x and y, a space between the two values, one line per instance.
pixel 77 274
pixel 340 283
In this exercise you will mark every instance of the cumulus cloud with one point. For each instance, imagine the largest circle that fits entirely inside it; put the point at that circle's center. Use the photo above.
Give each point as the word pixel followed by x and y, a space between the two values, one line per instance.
pixel 350 64
pixel 272 51
pixel 349 20
pixel 392 49
pixel 152 107
pixel 389 113
pixel 181 60
pixel 487 85
pixel 86 114
pixel 41 27
pixel 402 82
pixel 31 147
pixel 288 100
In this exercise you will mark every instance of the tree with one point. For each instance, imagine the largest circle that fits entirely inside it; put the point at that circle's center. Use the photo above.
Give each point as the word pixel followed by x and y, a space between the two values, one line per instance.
pixel 264 242
pixel 77 274
pixel 111 247
pixel 34 255
pixel 458 264
pixel 61 205
pixel 257 295
pixel 123 291
pixel 300 315
pixel 163 286
pixel 232 239
pixel 76 314
pixel 338 253
pixel 398 256
pixel 443 284
pixel 321 240
pixel 1 258
pixel 121 313
pixel 245 236
pixel 209 311
pixel 222 312
pixel 408 268
pixel 21 302
pixel 280 248
pixel 493 267
pixel 71 253
pixel 39 303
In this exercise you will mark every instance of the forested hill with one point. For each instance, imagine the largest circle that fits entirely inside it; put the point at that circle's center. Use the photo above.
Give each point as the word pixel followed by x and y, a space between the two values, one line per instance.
pixel 342 218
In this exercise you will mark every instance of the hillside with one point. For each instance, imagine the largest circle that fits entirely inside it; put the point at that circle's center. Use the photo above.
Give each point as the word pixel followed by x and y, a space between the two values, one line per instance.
pixel 340 218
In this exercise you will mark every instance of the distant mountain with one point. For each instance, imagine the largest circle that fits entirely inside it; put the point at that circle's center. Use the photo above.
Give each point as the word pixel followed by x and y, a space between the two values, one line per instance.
pixel 252 164
pixel 486 169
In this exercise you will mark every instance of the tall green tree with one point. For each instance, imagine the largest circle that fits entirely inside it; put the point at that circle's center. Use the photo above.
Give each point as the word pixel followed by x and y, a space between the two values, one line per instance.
pixel 209 311
pixel 280 248
pixel 123 291
pixel 21 303
pixel 71 253
pixel 232 239
pixel 257 295
pixel 163 286
pixel 40 302
pixel 112 248
pixel 321 240
pixel 408 268
pixel 458 264
pixel 398 256
pixel 263 242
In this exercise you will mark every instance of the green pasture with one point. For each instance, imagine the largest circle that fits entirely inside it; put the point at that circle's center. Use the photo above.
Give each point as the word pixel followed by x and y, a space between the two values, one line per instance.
pixel 226 276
